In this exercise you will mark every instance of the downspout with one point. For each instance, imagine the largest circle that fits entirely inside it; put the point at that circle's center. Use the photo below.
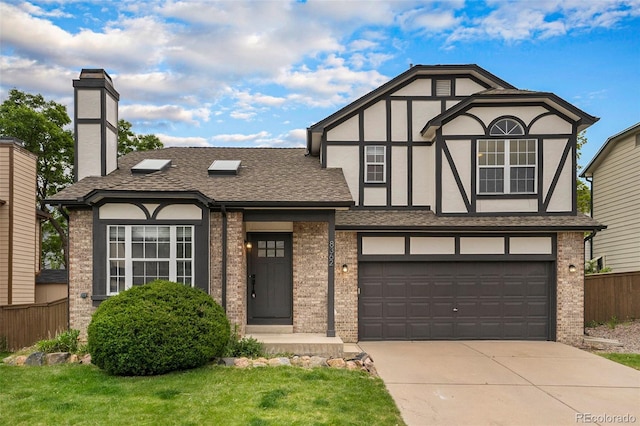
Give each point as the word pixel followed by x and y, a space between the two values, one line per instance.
pixel 593 234
pixel 224 257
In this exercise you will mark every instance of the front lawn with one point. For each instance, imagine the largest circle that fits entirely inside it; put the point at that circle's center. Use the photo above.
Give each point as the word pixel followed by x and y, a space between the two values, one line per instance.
pixel 79 394
pixel 630 360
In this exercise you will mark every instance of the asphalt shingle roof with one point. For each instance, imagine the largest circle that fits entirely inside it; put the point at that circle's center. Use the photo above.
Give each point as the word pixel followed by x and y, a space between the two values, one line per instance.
pixel 266 175
pixel 427 220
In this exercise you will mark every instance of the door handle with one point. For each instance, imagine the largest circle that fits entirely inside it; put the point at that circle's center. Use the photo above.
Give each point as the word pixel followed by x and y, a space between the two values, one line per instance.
pixel 455 309
pixel 253 285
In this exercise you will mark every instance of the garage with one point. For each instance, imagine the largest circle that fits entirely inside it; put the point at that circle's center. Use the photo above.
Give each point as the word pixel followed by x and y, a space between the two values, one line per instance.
pixel 455 300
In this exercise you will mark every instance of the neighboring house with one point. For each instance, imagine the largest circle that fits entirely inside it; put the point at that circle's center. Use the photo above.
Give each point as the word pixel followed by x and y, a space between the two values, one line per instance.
pixel 51 285
pixel 19 224
pixel 614 174
pixel 441 205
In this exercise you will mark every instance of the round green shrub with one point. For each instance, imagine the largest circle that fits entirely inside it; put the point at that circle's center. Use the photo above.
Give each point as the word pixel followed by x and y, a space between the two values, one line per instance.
pixel 156 328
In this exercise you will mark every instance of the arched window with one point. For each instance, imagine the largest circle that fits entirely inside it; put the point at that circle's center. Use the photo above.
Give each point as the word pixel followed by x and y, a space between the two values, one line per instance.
pixel 506 127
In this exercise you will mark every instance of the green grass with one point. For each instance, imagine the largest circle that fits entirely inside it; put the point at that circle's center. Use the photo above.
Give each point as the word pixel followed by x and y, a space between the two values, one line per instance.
pixel 78 394
pixel 630 360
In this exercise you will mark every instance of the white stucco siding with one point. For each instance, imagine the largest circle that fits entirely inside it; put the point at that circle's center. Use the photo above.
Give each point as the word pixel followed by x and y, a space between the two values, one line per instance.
pixel 421 113
pixel 180 212
pixel 375 197
pixel 461 154
pixel 423 171
pixel 121 211
pixel 375 122
pixel 463 125
pixel 452 201
pixel 551 124
pixel 347 131
pixel 562 198
pixel 481 245
pixel 399 176
pixel 347 159
pixel 507 206
pixel 530 245
pixel 466 86
pixel 112 111
pixel 616 201
pixel 89 104
pixel 524 113
pixel 399 128
pixel 419 87
pixel 90 153
pixel 433 245
pixel 551 155
pixel 112 151
pixel 382 245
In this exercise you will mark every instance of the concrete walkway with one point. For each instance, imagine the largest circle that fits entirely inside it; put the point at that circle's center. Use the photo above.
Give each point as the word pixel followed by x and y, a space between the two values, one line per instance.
pixel 505 383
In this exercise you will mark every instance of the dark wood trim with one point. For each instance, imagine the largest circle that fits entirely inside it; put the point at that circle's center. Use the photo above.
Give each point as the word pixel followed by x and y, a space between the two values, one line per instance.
pixel 409 153
pixel 456 258
pixel 388 156
pixel 331 329
pixel 438 175
pixel 288 215
pixel 556 176
pixel 362 170
pixel 456 175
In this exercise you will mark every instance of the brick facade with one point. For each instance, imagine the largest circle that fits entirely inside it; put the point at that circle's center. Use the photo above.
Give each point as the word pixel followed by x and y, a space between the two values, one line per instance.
pixel 570 288
pixel 80 270
pixel 236 272
pixel 310 277
pixel 215 253
pixel 346 285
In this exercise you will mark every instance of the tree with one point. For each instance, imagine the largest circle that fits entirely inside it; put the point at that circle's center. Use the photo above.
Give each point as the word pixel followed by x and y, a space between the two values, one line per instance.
pixel 40 124
pixel 129 141
pixel 583 190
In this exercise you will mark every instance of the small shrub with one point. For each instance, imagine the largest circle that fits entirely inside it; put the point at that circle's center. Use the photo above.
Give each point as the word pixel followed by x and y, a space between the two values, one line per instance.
pixel 245 347
pixel 64 342
pixel 613 322
pixel 156 328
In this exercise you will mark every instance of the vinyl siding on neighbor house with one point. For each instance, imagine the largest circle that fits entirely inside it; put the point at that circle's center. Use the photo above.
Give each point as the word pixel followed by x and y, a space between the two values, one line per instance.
pixel 616 201
pixel 4 223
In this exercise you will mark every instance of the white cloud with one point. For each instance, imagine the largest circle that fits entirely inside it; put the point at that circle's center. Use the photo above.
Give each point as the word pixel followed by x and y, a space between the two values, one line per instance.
pixel 168 140
pixel 237 137
pixel 160 113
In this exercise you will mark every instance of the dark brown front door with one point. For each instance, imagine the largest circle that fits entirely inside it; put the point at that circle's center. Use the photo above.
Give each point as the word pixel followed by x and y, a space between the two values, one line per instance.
pixel 270 283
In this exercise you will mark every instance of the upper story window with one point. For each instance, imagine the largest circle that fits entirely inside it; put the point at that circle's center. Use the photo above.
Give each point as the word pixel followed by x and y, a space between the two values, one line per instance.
pixel 138 254
pixel 375 164
pixel 509 165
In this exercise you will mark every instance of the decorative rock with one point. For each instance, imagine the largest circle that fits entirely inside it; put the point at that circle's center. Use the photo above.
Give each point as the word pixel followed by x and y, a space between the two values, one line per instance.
pixel 35 359
pixel 73 359
pixel 336 363
pixel 297 361
pixel 277 362
pixel 351 365
pixel 20 360
pixel 57 358
pixel 317 361
pixel 228 362
pixel 10 360
pixel 86 359
pixel 257 363
pixel 261 360
pixel 242 362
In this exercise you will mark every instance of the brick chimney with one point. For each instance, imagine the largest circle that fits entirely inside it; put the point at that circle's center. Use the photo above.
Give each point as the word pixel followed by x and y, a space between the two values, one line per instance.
pixel 96 124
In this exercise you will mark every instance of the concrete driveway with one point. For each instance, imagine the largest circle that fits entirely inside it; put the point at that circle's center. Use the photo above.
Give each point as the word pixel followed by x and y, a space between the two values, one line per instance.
pixel 505 383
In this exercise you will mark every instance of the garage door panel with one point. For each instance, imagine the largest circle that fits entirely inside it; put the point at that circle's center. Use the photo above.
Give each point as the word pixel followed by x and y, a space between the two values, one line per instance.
pixel 454 300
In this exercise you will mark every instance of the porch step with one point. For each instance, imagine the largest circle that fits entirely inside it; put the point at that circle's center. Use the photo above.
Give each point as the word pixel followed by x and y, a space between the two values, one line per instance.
pixel 300 344
pixel 268 329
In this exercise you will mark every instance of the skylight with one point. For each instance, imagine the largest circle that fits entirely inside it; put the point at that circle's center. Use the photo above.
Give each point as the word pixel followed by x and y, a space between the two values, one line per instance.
pixel 224 167
pixel 150 165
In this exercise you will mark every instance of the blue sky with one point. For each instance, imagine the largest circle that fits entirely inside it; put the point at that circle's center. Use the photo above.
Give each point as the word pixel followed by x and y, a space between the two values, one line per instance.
pixel 239 73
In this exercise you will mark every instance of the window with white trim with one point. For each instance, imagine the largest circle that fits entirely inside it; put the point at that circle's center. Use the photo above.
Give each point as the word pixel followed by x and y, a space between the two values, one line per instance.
pixel 375 164
pixel 507 166
pixel 138 254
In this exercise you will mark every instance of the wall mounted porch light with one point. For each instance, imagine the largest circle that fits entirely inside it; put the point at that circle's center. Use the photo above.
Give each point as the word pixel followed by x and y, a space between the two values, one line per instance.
pixel 248 245
pixel 572 268
pixel 345 268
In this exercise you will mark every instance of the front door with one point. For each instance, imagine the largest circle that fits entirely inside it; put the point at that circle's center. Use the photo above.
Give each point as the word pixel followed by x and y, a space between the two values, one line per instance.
pixel 270 283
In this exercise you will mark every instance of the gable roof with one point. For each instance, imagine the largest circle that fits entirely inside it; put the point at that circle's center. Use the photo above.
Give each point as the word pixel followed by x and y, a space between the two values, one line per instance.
pixel 443 70
pixel 606 148
pixel 266 177
pixel 500 95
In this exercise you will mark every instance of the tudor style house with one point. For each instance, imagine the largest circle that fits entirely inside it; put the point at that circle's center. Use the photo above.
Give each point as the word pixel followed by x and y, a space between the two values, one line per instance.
pixel 441 205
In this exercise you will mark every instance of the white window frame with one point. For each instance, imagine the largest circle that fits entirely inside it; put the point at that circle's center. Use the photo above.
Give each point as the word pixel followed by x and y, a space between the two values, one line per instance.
pixel 507 166
pixel 382 163
pixel 128 259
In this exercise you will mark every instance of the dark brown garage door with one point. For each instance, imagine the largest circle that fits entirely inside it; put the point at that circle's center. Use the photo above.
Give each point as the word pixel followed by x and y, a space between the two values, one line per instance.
pixel 454 300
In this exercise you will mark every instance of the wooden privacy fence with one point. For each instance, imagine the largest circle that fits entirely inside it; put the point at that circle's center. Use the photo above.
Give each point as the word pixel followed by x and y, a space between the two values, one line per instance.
pixel 24 325
pixel 612 295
